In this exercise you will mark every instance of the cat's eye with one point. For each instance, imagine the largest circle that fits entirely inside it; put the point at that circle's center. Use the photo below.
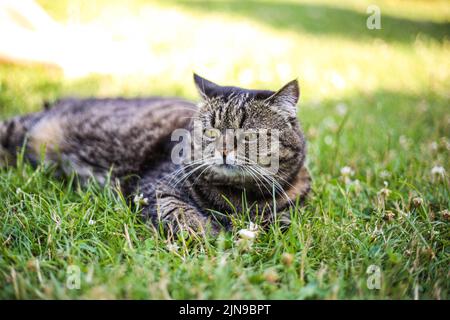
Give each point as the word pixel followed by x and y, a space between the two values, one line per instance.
pixel 212 134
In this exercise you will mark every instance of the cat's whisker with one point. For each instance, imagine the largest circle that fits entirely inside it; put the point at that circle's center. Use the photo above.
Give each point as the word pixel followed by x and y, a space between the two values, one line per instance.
pixel 265 170
pixel 186 175
pixel 256 179
pixel 272 181
pixel 208 167
pixel 175 173
pixel 266 179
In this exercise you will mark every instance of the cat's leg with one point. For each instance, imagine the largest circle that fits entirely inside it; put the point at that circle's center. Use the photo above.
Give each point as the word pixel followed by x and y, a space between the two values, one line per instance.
pixel 12 137
pixel 5 155
pixel 177 215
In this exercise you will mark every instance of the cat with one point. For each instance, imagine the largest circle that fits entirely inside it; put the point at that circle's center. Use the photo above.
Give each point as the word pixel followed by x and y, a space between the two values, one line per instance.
pixel 131 141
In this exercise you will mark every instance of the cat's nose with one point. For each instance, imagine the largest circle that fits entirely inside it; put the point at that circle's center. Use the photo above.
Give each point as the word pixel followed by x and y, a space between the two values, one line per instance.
pixel 224 155
pixel 219 158
pixel 224 151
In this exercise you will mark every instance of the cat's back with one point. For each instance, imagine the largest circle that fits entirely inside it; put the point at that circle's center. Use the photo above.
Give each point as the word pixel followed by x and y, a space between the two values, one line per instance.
pixel 118 106
pixel 111 117
pixel 105 131
pixel 114 113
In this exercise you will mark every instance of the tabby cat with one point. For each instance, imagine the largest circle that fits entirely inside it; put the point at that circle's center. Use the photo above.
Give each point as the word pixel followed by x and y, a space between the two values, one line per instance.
pixel 131 141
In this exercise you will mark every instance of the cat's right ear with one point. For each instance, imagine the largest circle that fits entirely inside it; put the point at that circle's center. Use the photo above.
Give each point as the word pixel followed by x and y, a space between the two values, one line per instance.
pixel 206 88
pixel 286 98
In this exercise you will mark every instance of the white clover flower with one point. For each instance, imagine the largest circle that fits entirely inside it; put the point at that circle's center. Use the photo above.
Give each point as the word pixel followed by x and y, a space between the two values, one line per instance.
pixel 271 276
pixel 223 260
pixel 253 227
pixel 445 142
pixel 247 234
pixel 404 142
pixel 91 222
pixel 356 185
pixel 434 146
pixel 341 108
pixel 250 232
pixel 330 124
pixel 328 140
pixel 445 214
pixel 385 174
pixel 347 171
pixel 172 247
pixel 384 192
pixel 438 171
pixel 417 201
pixel 140 200
pixel 389 215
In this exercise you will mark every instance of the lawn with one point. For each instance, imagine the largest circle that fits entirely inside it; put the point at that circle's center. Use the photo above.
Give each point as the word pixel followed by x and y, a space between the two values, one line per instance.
pixel 375 110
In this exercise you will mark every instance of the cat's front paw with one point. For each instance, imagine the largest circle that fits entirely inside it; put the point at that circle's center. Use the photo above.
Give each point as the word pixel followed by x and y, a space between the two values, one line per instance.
pixel 188 221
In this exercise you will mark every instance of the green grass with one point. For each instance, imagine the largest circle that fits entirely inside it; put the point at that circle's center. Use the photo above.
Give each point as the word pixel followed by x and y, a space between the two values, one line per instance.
pixel 394 84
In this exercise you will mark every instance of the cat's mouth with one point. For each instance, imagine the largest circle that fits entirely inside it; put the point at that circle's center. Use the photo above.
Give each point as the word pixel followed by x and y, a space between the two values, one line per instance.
pixel 228 169
pixel 227 174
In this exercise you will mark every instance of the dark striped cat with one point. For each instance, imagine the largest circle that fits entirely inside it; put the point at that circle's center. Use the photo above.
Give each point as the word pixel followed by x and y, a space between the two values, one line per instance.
pixel 131 139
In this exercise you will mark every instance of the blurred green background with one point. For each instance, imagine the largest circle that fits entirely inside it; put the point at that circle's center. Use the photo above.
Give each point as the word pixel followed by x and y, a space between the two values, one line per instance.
pixel 152 47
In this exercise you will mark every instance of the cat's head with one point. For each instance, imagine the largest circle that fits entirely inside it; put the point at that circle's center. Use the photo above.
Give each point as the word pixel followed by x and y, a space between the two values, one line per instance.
pixel 248 137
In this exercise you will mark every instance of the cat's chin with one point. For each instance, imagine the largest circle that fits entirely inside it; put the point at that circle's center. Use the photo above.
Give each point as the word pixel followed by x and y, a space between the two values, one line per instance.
pixel 227 171
pixel 225 174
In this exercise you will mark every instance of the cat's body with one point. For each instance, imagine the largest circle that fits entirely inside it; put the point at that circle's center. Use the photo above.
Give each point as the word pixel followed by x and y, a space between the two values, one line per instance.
pixel 131 139
pixel 92 136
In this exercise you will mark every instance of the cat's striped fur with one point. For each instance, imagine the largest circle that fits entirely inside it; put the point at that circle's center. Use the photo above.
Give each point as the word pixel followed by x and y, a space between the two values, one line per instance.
pixel 130 139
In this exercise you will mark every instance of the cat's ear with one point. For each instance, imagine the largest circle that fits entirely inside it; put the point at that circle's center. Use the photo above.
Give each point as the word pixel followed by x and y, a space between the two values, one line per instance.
pixel 206 88
pixel 286 98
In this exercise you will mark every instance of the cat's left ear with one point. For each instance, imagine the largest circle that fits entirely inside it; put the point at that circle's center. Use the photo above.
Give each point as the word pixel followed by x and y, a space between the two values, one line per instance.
pixel 286 98
pixel 206 88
